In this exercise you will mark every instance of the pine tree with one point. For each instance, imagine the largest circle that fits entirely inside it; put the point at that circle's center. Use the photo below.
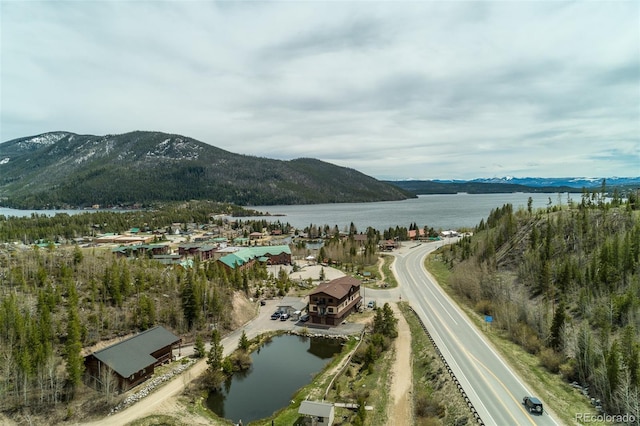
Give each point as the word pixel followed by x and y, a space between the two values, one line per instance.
pixel 198 348
pixel 378 322
pixel 390 322
pixel 216 353
pixel 189 305
pixel 556 341
pixel 73 357
pixel 244 342
pixel 612 360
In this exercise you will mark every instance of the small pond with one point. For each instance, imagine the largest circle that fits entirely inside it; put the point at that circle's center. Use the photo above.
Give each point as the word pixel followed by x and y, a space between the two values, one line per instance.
pixel 280 368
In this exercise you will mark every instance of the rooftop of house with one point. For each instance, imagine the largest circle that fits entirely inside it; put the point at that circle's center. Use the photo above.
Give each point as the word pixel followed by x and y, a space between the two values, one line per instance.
pixel 338 288
pixel 134 354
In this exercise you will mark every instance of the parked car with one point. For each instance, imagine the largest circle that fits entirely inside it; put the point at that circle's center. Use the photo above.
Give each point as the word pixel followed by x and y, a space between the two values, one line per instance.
pixel 304 318
pixel 263 302
pixel 276 315
pixel 371 304
pixel 284 316
pixel 532 404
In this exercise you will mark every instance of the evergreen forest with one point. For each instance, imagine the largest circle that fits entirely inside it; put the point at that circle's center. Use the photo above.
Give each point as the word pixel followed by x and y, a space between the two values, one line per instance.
pixel 564 283
pixel 59 301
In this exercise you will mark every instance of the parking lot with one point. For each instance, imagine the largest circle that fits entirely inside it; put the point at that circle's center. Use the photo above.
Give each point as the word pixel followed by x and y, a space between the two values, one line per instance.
pixel 263 323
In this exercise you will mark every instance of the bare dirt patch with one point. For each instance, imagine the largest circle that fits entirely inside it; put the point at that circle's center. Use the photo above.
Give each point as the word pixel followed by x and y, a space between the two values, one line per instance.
pixel 244 310
pixel 400 407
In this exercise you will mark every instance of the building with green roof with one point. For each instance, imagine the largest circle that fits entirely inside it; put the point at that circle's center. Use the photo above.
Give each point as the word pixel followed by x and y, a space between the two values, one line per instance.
pixel 271 255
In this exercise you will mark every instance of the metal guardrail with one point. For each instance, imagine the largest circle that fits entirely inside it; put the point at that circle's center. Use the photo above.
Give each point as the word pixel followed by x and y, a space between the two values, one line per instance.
pixel 472 409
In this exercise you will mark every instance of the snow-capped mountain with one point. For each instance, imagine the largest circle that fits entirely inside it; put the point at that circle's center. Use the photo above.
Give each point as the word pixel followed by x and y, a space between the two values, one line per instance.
pixel 538 182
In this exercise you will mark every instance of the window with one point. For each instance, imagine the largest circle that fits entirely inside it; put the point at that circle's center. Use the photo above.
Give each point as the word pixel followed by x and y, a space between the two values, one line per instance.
pixel 330 310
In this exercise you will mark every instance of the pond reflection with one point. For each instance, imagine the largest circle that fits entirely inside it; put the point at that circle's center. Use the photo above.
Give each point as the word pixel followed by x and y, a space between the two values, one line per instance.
pixel 280 367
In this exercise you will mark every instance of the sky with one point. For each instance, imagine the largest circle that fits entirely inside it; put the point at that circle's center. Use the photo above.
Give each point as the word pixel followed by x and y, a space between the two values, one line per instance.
pixel 394 89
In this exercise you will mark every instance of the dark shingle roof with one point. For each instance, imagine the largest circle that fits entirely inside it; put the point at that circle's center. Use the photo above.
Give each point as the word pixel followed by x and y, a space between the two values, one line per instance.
pixel 134 354
pixel 337 288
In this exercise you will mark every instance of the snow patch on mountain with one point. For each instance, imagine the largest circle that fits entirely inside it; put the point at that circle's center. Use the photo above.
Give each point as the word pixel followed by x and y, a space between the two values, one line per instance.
pixel 572 182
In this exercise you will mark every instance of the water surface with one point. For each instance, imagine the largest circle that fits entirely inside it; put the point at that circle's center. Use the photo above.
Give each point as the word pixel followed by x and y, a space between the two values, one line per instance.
pixel 449 211
pixel 279 369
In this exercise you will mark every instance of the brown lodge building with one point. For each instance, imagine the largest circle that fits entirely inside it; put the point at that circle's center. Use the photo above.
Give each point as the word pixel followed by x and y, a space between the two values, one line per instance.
pixel 132 361
pixel 331 302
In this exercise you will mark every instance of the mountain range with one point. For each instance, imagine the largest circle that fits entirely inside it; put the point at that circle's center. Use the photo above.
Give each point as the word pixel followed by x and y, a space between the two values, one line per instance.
pixel 570 182
pixel 509 184
pixel 63 169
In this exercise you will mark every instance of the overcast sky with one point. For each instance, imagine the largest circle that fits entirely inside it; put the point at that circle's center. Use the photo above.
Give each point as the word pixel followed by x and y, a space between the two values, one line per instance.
pixel 394 89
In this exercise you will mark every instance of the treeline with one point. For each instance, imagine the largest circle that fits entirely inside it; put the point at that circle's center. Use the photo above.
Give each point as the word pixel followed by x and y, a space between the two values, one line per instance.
pixel 341 248
pixel 65 227
pixel 564 283
pixel 56 301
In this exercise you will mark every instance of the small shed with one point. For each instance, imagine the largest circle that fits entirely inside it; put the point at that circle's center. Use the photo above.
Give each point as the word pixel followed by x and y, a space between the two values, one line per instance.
pixel 321 413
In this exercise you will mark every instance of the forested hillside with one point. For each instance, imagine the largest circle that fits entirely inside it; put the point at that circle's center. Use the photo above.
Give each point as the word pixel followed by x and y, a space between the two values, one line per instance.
pixel 565 285
pixel 57 301
pixel 59 169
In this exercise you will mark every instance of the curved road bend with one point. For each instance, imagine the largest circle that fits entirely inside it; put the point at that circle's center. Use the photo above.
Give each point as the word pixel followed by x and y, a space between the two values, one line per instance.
pixel 494 389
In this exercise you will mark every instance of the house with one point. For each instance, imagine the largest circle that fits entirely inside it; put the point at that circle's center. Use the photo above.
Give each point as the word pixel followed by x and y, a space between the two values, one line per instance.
pixel 188 249
pixel 255 236
pixel 206 251
pixel 321 413
pixel 141 250
pixel 388 245
pixel 333 301
pixel 416 234
pixel 128 363
pixel 360 239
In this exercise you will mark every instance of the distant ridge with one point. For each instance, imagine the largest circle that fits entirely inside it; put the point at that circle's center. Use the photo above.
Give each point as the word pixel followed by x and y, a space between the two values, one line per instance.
pixel 64 169
pixel 572 182
pixel 509 185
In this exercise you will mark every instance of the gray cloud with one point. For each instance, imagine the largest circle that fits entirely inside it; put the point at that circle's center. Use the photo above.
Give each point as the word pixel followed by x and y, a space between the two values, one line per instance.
pixel 395 90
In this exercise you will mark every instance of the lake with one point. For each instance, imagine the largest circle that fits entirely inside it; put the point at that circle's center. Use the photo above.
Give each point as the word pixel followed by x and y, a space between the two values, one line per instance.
pixel 450 211
pixel 279 369
pixel 5 211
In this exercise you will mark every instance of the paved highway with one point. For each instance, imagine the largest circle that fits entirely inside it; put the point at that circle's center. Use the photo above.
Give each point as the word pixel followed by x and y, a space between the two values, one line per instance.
pixel 494 389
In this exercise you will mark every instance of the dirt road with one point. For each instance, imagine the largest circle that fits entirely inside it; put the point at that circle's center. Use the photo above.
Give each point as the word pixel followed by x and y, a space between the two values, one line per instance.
pixel 165 399
pixel 400 407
